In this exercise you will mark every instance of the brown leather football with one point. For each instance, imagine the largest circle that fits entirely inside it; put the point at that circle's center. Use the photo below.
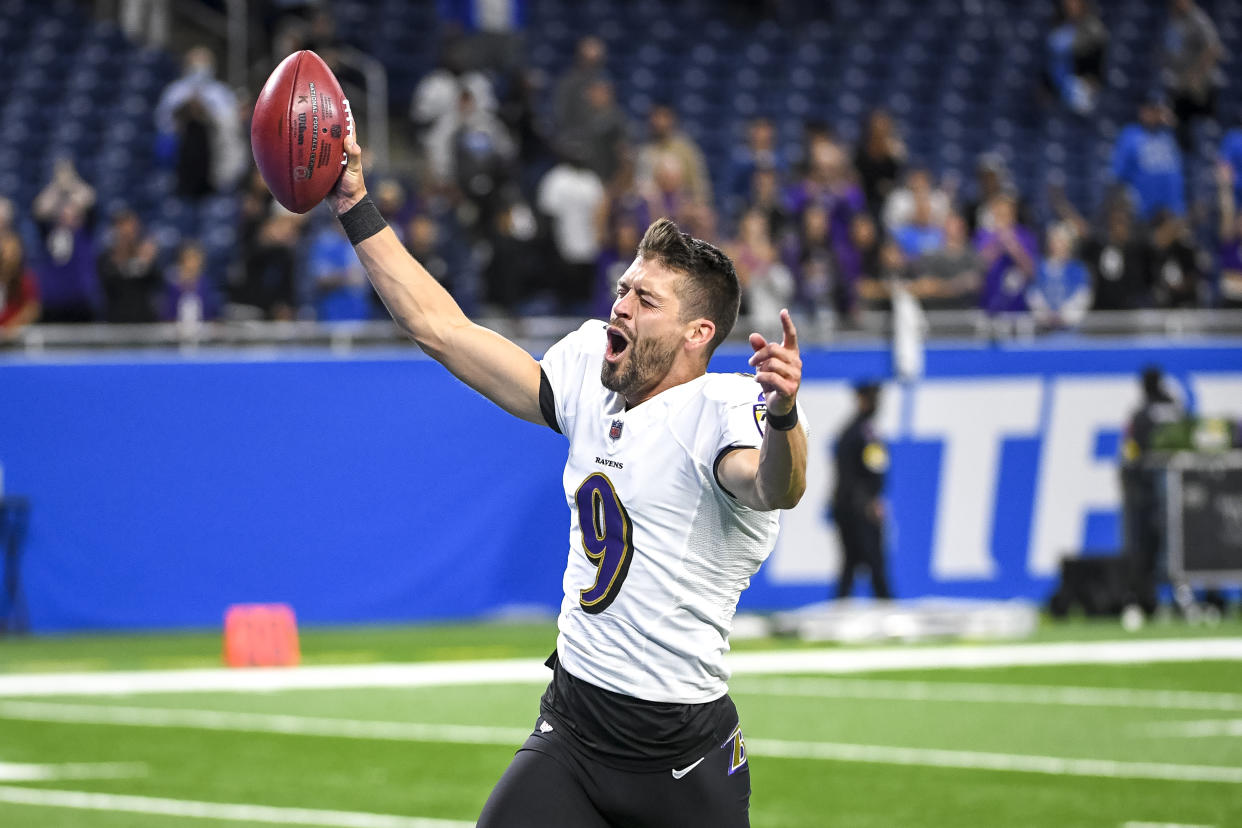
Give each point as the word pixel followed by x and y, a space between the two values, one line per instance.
pixel 298 131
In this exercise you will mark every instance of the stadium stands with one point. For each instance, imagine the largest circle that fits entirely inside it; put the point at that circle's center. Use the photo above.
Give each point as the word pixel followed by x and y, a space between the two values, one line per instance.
pixel 961 77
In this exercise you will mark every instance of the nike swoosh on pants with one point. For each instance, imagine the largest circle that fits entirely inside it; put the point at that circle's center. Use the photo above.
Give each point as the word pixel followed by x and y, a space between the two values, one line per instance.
pixel 678 774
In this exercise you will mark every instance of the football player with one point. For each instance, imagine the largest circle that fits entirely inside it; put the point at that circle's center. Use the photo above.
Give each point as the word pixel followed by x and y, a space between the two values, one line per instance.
pixel 674 481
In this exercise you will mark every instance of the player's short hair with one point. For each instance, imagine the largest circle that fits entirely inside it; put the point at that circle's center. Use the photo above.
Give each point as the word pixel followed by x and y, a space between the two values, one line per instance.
pixel 709 287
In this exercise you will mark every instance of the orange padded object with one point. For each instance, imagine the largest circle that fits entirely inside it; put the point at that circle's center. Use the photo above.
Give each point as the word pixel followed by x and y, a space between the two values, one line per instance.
pixel 261 635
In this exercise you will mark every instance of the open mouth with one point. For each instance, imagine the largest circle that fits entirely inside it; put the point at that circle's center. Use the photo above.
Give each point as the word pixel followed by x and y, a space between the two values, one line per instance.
pixel 617 343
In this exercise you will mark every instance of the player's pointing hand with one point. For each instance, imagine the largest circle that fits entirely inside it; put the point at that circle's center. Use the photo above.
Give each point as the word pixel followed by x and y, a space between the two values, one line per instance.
pixel 778 368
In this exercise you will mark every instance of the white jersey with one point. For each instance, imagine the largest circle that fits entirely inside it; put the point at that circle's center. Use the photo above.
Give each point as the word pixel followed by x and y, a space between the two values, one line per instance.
pixel 659 552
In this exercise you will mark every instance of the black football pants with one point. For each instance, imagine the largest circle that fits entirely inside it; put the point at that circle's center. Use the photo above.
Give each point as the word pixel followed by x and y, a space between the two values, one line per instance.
pixel 551 783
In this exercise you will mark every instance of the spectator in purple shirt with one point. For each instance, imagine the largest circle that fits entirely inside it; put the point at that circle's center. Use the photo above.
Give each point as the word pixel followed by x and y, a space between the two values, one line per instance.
pixel 865 273
pixel 1010 257
pixel 830 183
pixel 614 259
pixel 1230 242
pixel 1231 154
pixel 68 280
pixel 627 198
pixel 809 257
pixel 188 299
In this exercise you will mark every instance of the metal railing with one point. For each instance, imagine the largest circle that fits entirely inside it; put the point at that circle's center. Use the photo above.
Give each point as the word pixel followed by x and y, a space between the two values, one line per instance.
pixel 537 332
pixel 376 96
pixel 237 29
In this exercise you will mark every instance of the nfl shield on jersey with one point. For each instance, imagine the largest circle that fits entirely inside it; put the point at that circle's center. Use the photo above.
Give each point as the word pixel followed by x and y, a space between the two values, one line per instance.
pixel 659 552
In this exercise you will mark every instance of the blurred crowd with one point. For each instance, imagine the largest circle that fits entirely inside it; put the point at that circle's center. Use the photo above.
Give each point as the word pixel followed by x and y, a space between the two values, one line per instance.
pixel 529 196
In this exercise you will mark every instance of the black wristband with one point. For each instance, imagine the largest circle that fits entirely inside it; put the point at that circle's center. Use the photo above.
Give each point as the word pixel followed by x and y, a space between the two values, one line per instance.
pixel 362 221
pixel 783 422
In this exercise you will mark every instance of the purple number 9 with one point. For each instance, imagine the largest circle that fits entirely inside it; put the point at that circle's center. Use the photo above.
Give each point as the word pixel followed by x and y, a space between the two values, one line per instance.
pixel 606 538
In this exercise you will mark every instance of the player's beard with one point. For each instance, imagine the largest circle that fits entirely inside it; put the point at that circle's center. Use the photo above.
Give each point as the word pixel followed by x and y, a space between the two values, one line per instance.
pixel 646 362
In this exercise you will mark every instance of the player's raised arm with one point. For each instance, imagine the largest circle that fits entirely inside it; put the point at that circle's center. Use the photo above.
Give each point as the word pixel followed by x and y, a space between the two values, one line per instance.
pixel 483 359
pixel 774 477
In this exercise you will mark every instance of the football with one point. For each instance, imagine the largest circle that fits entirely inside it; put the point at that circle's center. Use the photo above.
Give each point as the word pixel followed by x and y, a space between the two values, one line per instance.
pixel 298 130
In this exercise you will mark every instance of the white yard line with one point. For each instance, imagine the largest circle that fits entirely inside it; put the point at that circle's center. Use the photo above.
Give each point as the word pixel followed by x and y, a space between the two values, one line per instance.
pixel 971 656
pixel 509 737
pixel 1162 825
pixel 1200 729
pixel 921 691
pixel 979 760
pixel 260 723
pixel 81 800
pixel 532 671
pixel 223 680
pixel 24 772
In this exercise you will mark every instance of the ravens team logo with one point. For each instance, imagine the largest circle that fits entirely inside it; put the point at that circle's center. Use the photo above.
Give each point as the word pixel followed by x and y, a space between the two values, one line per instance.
pixel 761 417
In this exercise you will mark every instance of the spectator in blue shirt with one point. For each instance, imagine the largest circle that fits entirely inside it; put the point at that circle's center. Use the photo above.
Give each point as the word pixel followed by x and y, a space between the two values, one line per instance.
pixel 759 152
pixel 922 234
pixel 338 282
pixel 1061 293
pixel 1148 160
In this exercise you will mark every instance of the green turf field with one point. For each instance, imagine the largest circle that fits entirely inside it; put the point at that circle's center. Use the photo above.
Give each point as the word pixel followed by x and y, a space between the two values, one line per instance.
pixel 1084 745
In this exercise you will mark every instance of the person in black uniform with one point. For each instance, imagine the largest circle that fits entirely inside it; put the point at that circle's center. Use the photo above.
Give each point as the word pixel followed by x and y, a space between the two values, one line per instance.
pixel 1140 495
pixel 857 508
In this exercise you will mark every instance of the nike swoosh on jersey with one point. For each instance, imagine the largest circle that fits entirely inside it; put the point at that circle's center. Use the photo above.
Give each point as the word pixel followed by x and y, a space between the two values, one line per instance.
pixel 678 774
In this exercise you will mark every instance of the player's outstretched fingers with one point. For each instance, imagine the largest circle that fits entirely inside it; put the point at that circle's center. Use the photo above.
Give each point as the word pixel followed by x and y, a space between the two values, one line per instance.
pixel 353 152
pixel 770 351
pixel 350 187
pixel 760 345
pixel 791 333
pixel 782 368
